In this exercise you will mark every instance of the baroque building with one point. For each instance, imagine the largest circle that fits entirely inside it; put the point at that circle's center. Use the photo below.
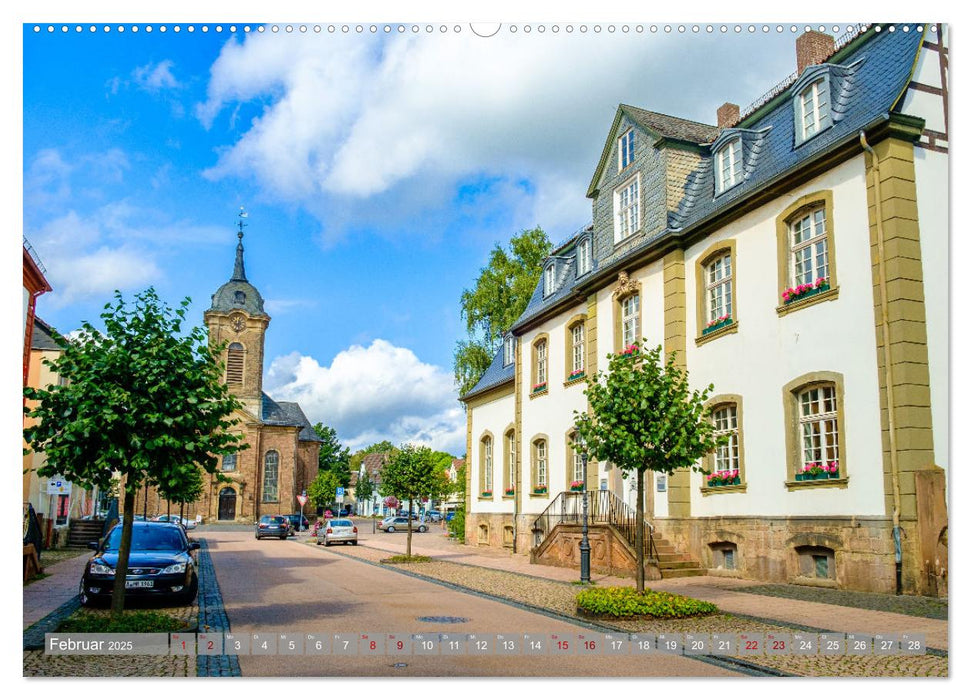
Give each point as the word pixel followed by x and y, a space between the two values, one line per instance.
pixel 793 255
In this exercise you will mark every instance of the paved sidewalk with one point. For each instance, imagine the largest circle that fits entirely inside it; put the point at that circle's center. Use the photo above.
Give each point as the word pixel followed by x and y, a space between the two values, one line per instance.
pixel 46 595
pixel 727 593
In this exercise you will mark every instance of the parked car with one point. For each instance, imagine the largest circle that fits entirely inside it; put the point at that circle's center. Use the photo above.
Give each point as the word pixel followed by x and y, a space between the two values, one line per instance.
pixel 435 516
pixel 337 531
pixel 397 522
pixel 184 522
pixel 298 522
pixel 160 565
pixel 346 511
pixel 273 526
pixel 449 515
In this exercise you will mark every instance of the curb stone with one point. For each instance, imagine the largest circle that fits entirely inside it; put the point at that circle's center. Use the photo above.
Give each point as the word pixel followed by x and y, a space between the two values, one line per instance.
pixel 212 618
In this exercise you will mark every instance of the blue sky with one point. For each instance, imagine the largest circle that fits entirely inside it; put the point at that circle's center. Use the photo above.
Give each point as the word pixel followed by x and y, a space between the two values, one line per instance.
pixel 377 171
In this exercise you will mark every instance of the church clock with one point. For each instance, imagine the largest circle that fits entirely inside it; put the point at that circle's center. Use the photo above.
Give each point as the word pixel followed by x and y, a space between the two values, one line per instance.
pixel 238 322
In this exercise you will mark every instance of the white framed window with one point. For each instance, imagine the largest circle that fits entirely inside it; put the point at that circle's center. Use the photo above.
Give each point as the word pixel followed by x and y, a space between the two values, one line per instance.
pixel 625 150
pixel 229 463
pixel 487 464
pixel 584 258
pixel 819 425
pixel 508 350
pixel 541 466
pixel 718 287
pixel 725 419
pixel 809 247
pixel 576 350
pixel 541 362
pixel 728 165
pixel 549 280
pixel 812 109
pixel 630 319
pixel 577 451
pixel 627 215
pixel 511 465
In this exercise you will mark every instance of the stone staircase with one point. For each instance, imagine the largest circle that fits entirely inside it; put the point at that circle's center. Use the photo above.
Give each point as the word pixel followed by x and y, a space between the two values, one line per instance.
pixel 672 563
pixel 83 531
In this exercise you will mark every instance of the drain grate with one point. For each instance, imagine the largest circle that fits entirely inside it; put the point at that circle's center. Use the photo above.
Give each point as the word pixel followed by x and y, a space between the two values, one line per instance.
pixel 443 619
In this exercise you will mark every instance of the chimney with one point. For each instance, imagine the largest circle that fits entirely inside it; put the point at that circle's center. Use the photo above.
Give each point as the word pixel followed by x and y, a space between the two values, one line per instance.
pixel 813 48
pixel 728 115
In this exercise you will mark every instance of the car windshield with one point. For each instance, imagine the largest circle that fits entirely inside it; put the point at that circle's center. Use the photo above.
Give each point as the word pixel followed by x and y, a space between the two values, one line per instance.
pixel 148 539
pixel 341 523
pixel 273 519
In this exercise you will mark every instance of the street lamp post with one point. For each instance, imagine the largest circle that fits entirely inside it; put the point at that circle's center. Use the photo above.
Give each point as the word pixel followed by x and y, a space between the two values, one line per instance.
pixel 584 540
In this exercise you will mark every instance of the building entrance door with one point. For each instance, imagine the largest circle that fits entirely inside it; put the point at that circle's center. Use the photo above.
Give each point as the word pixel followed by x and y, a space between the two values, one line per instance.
pixel 227 504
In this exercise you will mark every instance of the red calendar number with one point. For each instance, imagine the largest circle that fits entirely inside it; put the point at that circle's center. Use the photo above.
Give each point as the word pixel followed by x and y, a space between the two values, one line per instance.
pixel 751 644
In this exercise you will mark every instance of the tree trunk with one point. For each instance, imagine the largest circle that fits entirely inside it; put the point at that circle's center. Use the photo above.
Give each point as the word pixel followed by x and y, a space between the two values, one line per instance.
pixel 121 567
pixel 639 537
pixel 408 550
pixel 145 508
pixel 168 508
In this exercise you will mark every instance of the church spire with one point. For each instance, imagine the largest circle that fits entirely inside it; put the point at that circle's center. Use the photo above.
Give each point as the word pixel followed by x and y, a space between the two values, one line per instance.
pixel 239 272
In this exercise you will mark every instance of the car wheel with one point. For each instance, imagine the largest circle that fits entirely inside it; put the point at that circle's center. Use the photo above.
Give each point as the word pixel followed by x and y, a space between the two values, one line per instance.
pixel 86 600
pixel 190 593
pixel 390 528
pixel 327 543
pixel 354 542
pixel 421 528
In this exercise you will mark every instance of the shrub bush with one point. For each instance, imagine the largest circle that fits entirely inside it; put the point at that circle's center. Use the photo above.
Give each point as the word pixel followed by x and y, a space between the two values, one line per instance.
pixel 457 525
pixel 625 602
pixel 405 559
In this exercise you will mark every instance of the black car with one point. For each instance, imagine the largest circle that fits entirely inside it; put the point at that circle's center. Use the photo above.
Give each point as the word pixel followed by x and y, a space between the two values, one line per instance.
pixel 273 526
pixel 296 519
pixel 159 565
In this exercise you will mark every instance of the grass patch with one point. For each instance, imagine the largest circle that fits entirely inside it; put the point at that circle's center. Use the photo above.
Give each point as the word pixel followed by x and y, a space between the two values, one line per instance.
pixel 145 621
pixel 626 602
pixel 583 583
pixel 405 559
pixel 35 577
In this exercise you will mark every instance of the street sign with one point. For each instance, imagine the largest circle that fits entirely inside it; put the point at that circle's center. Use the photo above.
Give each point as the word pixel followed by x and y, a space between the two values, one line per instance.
pixel 302 500
pixel 58 487
pixel 340 491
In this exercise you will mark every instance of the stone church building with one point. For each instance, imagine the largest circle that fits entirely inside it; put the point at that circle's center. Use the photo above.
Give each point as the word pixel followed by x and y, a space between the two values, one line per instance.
pixel 281 458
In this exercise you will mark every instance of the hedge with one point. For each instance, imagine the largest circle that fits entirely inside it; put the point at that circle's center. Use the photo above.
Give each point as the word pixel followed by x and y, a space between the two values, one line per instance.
pixel 626 602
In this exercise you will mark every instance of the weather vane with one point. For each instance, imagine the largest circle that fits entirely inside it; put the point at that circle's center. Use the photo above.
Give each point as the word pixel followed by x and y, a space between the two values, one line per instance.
pixel 242 215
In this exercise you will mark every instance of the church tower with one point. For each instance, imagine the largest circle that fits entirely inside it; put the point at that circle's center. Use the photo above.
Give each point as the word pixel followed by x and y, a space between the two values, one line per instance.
pixel 237 319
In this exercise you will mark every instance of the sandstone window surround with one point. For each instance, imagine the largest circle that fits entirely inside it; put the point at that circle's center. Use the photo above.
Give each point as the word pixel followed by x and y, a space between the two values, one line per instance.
pixel 271 477
pixel 715 295
pixel 814 418
pixel 235 363
pixel 576 349
pixel 509 463
pixel 726 415
pixel 575 477
pixel 627 319
pixel 728 165
pixel 627 209
pixel 806 253
pixel 229 463
pixel 485 466
pixel 540 467
pixel 625 150
pixel 540 366
pixel 584 256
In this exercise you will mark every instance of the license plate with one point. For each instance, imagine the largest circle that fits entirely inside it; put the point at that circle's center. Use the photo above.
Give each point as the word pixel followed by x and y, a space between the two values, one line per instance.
pixel 139 584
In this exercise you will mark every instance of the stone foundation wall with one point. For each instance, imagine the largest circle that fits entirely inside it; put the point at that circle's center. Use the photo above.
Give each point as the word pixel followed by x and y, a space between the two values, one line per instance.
pixel 776 549
pixel 609 554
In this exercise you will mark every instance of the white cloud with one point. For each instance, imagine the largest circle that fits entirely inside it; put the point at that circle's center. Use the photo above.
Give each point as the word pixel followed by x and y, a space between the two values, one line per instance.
pixel 368 394
pixel 155 77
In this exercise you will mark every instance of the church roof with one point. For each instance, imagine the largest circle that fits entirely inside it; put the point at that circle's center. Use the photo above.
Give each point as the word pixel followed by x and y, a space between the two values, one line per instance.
pixel 288 413
pixel 238 294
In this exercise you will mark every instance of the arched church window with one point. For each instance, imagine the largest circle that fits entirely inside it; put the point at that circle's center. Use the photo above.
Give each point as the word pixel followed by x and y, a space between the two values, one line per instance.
pixel 234 364
pixel 271 476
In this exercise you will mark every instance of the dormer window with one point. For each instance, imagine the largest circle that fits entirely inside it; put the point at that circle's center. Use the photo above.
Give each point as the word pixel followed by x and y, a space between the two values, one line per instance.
pixel 627 214
pixel 584 257
pixel 812 109
pixel 508 350
pixel 625 150
pixel 728 165
pixel 549 280
pixel 239 298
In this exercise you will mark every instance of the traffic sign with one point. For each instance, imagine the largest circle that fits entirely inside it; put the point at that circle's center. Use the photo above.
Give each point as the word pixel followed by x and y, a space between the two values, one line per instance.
pixel 58 486
pixel 340 491
pixel 302 500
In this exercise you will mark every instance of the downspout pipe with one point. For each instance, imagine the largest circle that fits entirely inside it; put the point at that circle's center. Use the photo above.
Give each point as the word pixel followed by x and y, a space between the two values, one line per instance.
pixel 887 366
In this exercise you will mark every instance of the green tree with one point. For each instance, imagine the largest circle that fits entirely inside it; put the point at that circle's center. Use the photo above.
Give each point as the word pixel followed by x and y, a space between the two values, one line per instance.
pixel 411 474
pixel 499 296
pixel 643 416
pixel 364 489
pixel 323 489
pixel 334 457
pixel 184 487
pixel 141 400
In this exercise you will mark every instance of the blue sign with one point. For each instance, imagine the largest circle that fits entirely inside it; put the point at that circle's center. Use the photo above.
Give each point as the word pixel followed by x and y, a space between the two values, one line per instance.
pixel 340 491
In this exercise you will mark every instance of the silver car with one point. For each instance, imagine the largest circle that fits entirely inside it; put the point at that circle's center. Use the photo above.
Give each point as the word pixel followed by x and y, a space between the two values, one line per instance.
pixel 337 531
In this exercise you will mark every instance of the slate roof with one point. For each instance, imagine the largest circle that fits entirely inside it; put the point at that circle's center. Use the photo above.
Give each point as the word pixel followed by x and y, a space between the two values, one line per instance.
pixel 225 301
pixel 372 462
pixel 672 127
pixel 869 76
pixel 494 376
pixel 42 338
pixel 288 413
